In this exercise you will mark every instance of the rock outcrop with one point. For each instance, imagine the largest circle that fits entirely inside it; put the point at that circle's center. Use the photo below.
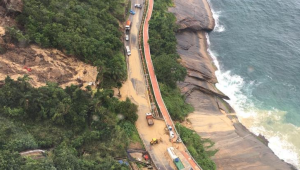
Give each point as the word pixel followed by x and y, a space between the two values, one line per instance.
pixel 191 14
pixel 200 68
pixel 213 117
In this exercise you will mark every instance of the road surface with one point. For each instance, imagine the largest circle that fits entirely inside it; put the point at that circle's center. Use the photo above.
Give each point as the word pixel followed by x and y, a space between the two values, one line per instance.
pixel 135 89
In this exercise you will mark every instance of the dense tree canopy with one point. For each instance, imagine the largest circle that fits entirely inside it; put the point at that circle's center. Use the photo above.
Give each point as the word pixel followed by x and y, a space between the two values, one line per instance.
pixel 163 45
pixel 81 129
pixel 168 70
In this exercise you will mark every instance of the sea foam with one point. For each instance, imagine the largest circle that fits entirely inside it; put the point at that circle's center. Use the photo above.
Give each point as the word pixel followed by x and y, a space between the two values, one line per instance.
pixel 216 15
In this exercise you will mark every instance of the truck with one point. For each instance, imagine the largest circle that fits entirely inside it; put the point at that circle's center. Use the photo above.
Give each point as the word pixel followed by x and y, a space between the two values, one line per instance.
pixel 128 25
pixel 149 119
pixel 128 50
pixel 175 159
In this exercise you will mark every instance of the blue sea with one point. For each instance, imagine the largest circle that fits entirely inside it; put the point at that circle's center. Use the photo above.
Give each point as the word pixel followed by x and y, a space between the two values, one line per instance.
pixel 256 46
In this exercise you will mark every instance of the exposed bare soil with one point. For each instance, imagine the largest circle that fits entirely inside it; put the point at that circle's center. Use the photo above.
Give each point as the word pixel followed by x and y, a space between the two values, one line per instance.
pixel 46 65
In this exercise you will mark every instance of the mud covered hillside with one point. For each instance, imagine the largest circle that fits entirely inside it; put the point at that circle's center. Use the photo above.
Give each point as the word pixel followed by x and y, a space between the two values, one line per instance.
pixel 44 65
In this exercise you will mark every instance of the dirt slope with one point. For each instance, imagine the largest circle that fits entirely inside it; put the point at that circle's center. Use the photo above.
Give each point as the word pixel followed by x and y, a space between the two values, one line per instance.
pixel 46 65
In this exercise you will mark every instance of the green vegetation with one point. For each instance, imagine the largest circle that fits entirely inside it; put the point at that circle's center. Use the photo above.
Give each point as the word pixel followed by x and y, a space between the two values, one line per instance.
pixel 166 60
pixel 16 36
pixel 175 102
pixel 86 29
pixel 163 45
pixel 80 129
pixel 198 147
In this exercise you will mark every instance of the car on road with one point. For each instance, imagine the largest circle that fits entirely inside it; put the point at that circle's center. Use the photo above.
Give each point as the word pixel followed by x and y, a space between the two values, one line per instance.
pixel 138 5
pixel 172 135
pixel 132 12
pixel 128 50
pixel 169 127
pixel 126 37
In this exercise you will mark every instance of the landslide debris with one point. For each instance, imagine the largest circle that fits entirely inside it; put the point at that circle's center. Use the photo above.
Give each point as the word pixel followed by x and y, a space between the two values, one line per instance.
pixel 46 65
pixel 42 65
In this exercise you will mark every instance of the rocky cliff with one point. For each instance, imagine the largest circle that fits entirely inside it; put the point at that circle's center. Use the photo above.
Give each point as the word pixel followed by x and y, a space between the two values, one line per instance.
pixel 213 117
pixel 193 19
pixel 191 14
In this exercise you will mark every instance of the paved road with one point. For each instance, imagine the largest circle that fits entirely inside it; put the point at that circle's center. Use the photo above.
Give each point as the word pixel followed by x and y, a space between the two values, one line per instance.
pixel 135 89
pixel 154 82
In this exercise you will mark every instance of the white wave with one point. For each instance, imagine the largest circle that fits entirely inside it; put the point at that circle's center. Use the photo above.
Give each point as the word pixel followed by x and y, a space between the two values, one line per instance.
pixel 218 26
pixel 216 15
pixel 282 136
pixel 284 150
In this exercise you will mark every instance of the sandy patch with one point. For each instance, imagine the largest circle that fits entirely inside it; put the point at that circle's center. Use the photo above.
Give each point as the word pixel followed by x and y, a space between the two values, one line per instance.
pixel 2 31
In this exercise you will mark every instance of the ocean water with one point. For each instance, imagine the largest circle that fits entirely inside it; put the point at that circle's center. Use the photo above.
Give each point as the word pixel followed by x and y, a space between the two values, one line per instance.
pixel 256 46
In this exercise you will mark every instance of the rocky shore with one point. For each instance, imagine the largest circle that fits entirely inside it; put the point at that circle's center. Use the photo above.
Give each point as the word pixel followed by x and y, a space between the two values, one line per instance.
pixel 213 117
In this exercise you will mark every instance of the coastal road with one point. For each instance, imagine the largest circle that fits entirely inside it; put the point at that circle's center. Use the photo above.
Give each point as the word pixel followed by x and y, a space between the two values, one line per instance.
pixel 136 90
pixel 155 86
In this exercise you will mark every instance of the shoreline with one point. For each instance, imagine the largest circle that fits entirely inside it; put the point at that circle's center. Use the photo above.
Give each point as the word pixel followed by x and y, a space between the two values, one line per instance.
pixel 260 137
pixel 213 117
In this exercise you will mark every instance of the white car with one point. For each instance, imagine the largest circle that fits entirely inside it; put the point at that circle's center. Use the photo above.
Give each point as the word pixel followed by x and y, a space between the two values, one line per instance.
pixel 172 135
pixel 128 50
pixel 126 37
pixel 138 5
